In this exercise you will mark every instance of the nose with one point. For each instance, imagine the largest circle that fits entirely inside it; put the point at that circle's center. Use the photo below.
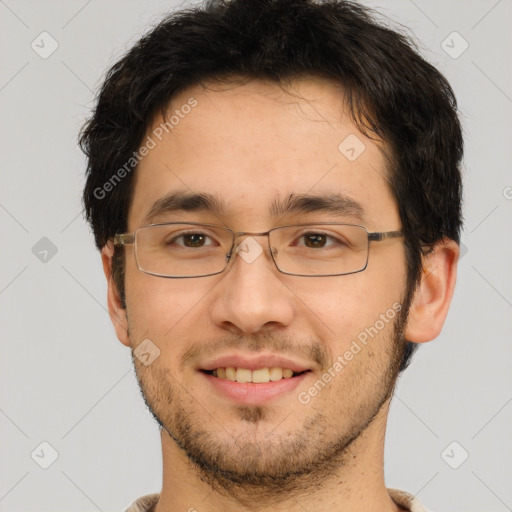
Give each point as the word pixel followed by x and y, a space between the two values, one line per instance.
pixel 251 296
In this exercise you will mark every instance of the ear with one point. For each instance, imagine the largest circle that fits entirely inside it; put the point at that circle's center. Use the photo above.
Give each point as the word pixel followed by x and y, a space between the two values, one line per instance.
pixel 433 295
pixel 115 308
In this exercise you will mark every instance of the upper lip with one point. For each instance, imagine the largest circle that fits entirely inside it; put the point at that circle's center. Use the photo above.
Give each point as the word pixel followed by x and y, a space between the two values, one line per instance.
pixel 254 362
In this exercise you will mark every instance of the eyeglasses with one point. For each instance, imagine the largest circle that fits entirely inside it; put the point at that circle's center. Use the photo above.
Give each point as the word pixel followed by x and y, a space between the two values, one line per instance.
pixel 189 249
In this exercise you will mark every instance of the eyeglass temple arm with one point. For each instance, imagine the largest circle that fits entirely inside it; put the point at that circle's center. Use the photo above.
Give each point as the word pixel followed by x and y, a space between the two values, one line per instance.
pixel 377 237
pixel 124 239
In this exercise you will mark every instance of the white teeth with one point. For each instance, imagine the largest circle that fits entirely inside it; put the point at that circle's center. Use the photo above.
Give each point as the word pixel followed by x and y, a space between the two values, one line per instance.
pixel 276 374
pixel 246 375
pixel 243 375
pixel 261 375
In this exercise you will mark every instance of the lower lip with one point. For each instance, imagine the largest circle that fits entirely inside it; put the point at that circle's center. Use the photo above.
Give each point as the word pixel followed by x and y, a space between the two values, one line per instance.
pixel 254 393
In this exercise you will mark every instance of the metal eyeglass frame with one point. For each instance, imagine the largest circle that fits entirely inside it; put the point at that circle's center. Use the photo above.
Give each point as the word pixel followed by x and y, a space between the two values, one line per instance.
pixel 123 239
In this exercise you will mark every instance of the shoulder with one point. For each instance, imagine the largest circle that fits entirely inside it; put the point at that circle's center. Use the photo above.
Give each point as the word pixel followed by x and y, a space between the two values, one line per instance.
pixel 406 500
pixel 144 504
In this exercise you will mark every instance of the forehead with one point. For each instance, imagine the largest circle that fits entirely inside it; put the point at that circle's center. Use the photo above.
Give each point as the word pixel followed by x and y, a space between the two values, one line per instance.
pixel 252 145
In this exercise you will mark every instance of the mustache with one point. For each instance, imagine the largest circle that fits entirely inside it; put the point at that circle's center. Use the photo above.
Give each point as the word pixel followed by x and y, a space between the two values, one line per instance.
pixel 261 342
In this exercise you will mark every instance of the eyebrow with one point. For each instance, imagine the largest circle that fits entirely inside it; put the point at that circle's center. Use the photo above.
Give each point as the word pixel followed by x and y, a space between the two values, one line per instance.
pixel 335 204
pixel 185 202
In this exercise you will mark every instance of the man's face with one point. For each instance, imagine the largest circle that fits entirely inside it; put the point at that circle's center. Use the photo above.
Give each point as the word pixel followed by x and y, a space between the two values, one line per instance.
pixel 250 146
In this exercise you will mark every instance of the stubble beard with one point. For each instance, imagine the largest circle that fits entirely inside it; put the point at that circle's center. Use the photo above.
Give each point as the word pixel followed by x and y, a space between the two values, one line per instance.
pixel 269 466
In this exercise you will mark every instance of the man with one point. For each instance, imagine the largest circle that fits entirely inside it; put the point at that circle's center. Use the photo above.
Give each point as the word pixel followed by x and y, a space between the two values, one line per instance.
pixel 275 189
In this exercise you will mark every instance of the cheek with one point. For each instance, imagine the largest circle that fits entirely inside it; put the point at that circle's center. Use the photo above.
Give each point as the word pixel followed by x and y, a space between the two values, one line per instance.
pixel 344 308
pixel 347 304
pixel 164 310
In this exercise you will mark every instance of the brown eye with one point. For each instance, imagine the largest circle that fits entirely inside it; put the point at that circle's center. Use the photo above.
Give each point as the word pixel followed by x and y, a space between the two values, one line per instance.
pixel 189 240
pixel 315 240
pixel 194 240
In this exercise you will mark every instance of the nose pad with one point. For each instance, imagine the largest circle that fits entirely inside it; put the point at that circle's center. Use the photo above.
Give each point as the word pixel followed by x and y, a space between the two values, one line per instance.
pixel 273 256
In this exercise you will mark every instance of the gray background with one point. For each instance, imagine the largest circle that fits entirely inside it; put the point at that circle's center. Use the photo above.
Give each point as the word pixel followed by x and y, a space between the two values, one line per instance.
pixel 67 381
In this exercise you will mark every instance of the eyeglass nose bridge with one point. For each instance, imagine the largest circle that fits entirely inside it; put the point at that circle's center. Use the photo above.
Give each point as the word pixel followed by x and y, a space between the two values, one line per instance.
pixel 247 234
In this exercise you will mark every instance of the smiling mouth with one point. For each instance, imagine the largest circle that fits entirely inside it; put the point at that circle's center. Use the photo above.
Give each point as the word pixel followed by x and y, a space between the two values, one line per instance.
pixel 260 375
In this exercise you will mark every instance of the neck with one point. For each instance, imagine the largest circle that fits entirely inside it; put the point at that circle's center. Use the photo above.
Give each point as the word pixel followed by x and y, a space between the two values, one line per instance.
pixel 356 483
